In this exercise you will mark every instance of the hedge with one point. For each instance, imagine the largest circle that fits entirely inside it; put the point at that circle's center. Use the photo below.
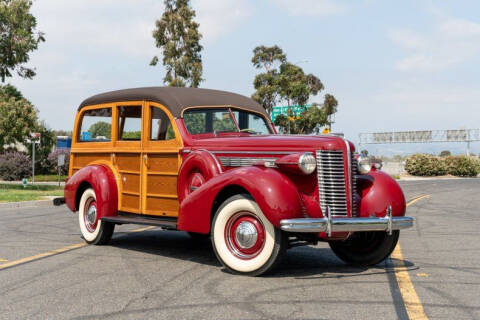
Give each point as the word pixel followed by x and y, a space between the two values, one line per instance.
pixel 428 165
pixel 15 166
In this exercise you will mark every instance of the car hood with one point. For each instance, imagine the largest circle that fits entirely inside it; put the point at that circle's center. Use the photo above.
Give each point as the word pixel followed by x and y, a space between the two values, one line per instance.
pixel 273 143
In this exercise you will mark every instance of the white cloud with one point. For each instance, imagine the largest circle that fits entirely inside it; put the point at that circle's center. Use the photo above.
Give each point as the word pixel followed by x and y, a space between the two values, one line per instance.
pixel 218 18
pixel 450 42
pixel 312 7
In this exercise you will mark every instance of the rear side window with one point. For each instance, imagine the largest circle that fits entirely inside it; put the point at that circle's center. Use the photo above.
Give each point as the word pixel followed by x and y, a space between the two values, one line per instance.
pixel 130 123
pixel 96 126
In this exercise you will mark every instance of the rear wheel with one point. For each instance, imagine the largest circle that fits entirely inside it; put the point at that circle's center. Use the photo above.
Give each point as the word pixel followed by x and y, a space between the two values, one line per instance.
pixel 94 230
pixel 244 240
pixel 365 248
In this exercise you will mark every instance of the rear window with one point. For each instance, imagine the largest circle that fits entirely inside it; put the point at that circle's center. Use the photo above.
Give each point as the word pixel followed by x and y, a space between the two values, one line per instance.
pixel 96 125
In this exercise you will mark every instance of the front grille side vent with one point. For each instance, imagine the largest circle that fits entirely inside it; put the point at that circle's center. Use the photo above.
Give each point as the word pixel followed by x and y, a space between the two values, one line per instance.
pixel 355 196
pixel 331 181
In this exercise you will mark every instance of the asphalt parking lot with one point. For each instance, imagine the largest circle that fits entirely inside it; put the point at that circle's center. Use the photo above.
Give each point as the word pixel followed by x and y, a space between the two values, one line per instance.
pixel 155 274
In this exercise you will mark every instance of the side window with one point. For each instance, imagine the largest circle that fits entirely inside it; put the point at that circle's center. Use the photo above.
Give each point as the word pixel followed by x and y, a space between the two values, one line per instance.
pixel 96 125
pixel 130 123
pixel 161 127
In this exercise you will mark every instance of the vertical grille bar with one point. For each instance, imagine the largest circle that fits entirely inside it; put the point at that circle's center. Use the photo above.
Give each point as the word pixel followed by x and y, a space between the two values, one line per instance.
pixel 355 200
pixel 331 181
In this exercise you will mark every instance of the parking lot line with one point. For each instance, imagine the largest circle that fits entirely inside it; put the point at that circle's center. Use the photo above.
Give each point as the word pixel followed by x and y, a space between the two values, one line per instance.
pixel 410 298
pixel 3 260
pixel 55 252
pixel 42 255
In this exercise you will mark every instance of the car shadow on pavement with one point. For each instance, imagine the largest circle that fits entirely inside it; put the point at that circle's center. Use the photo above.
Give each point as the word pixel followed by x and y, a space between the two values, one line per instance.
pixel 299 262
pixel 171 244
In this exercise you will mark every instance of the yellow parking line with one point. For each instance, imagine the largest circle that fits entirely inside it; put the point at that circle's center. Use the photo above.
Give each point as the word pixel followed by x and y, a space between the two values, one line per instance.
pixel 417 199
pixel 3 260
pixel 412 302
pixel 42 255
pixel 54 252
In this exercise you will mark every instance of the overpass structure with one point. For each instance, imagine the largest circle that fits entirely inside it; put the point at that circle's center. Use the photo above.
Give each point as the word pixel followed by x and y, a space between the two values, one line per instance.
pixel 423 136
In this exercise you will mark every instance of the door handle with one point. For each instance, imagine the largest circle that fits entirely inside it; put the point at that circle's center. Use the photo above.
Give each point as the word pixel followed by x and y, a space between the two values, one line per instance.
pixel 145 160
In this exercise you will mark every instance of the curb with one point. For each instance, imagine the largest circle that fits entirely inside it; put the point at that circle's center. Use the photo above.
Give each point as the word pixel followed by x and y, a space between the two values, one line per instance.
pixel 23 204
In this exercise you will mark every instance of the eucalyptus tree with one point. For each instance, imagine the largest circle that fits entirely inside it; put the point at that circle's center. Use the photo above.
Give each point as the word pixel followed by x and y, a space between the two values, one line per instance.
pixel 18 38
pixel 176 35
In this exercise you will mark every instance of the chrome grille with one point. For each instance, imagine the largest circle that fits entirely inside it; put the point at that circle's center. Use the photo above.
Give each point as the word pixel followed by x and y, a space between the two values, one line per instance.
pixel 331 181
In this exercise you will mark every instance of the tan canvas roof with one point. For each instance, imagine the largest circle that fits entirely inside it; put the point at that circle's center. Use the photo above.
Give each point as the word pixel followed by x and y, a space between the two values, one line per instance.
pixel 176 99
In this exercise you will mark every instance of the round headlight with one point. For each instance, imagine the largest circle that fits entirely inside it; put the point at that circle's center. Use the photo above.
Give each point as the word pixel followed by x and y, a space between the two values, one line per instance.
pixel 307 163
pixel 364 165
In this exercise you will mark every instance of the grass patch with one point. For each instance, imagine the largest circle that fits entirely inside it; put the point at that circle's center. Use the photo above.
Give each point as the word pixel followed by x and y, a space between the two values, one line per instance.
pixel 16 192
pixel 48 178
pixel 395 176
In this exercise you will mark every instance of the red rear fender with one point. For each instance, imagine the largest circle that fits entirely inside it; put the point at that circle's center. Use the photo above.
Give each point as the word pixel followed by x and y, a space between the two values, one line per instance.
pixel 102 180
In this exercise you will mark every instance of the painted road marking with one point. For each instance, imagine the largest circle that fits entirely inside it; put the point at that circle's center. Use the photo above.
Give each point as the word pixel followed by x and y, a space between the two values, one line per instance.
pixel 3 260
pixel 412 302
pixel 55 252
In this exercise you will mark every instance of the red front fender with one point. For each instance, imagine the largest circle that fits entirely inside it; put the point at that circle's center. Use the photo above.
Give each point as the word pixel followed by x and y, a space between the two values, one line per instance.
pixel 276 195
pixel 378 191
pixel 102 180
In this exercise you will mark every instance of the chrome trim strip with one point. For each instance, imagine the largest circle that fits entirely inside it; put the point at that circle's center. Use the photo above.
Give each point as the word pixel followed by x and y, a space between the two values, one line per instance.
pixel 260 152
pixel 349 175
pixel 242 161
pixel 219 166
pixel 330 224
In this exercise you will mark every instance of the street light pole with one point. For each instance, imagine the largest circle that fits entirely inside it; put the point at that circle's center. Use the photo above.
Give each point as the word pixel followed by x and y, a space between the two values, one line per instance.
pixel 33 161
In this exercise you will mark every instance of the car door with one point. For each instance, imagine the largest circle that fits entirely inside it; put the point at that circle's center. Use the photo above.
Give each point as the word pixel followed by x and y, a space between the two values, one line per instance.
pixel 127 155
pixel 161 162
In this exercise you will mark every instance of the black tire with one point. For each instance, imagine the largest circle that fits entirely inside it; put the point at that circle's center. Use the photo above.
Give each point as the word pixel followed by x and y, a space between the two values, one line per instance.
pixel 94 231
pixel 268 256
pixel 365 248
pixel 199 236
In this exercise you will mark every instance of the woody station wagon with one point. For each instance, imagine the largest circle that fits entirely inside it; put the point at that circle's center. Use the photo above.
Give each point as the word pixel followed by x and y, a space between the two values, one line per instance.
pixel 210 163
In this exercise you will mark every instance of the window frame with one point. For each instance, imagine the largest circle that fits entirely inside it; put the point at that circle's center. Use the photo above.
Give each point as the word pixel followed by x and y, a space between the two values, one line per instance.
pixel 173 144
pixel 79 123
pixel 231 109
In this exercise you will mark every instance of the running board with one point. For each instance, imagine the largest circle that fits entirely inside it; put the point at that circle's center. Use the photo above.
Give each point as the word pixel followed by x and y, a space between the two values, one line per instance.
pixel 165 223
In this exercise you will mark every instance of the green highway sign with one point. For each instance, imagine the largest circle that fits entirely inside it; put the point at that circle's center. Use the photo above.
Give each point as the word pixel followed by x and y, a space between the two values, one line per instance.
pixel 283 110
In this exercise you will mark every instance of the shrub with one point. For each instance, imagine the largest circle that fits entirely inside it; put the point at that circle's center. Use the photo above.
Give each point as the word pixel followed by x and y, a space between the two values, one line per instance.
pixel 425 165
pixel 462 166
pixel 53 160
pixel 15 166
pixel 445 153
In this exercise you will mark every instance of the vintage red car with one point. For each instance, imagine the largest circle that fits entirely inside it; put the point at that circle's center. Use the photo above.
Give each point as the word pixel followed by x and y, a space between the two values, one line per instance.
pixel 210 163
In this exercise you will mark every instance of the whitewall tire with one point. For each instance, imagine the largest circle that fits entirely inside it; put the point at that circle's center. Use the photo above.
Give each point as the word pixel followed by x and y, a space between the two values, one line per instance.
pixel 93 230
pixel 244 240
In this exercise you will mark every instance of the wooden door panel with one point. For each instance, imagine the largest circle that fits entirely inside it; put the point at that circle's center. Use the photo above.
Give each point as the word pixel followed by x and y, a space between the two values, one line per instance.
pixel 129 168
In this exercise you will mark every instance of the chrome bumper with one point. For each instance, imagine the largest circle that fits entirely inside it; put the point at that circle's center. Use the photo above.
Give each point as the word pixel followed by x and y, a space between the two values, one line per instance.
pixel 329 224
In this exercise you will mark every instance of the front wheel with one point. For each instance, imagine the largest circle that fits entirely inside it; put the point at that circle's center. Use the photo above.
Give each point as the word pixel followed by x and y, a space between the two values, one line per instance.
pixel 365 248
pixel 244 240
pixel 94 230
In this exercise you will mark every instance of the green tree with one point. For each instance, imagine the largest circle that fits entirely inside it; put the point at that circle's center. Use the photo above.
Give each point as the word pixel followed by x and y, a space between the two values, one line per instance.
pixel 18 119
pixel 18 37
pixel 177 35
pixel 101 129
pixel 265 84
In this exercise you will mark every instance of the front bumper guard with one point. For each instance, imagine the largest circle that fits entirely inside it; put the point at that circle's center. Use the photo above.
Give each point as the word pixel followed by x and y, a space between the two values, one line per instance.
pixel 329 224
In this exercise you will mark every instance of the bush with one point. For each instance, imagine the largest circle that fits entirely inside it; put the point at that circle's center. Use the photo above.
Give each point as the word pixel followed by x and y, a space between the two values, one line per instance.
pixel 425 165
pixel 53 160
pixel 15 166
pixel 462 166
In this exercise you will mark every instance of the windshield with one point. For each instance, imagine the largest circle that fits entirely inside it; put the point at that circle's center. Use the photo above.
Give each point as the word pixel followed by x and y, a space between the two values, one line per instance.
pixel 201 121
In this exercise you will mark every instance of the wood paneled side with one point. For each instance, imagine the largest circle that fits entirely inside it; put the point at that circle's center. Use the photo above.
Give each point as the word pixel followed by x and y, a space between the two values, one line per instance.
pixel 81 160
pixel 163 163
pixel 130 203
pixel 162 207
pixel 130 183
pixel 128 161
pixel 162 185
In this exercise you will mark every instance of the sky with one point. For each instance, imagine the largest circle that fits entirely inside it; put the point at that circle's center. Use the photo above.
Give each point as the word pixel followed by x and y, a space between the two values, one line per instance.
pixel 392 65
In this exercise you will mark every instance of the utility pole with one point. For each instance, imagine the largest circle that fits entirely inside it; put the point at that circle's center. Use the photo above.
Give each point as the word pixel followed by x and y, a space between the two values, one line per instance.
pixel 33 161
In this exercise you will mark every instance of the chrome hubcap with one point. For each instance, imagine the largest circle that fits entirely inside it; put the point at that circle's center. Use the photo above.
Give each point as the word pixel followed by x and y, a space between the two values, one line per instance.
pixel 246 235
pixel 92 215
